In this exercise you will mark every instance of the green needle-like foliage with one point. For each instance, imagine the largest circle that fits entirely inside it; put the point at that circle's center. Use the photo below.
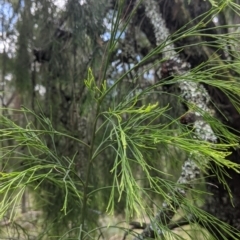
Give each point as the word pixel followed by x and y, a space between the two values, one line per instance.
pixel 105 140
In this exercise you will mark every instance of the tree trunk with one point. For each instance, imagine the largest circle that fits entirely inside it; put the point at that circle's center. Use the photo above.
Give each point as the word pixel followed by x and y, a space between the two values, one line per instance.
pixel 178 13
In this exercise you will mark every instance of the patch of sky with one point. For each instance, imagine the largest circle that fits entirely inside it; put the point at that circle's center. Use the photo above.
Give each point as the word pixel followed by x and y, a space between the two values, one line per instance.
pixel 7 16
pixel 40 89
pixel 108 22
pixel 149 75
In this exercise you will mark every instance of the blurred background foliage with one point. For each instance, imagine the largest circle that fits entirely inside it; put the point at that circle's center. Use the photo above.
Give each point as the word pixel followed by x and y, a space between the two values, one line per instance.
pixel 77 77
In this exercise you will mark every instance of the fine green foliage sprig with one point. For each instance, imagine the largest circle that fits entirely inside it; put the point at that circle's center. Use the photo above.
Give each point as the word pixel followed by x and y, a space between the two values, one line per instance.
pixel 37 166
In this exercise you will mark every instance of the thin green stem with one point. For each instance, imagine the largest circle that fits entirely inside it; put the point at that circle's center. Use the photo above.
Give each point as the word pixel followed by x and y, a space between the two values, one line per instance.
pixel 90 159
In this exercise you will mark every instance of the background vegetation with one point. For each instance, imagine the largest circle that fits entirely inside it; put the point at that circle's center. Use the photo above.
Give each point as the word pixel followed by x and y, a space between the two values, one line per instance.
pixel 119 119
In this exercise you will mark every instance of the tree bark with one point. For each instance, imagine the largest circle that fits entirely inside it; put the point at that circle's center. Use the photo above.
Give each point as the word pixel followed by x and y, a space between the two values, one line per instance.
pixel 178 13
